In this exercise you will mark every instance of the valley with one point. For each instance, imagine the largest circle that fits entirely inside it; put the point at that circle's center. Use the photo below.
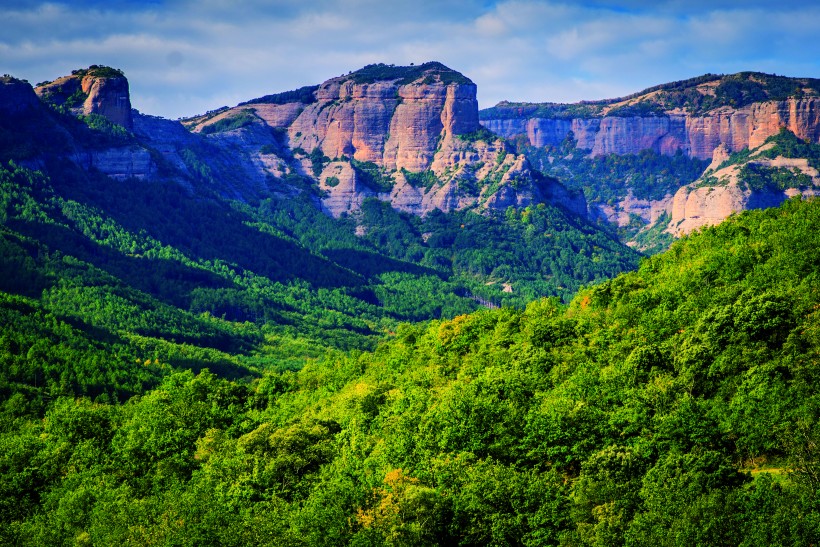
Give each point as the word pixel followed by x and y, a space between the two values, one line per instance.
pixel 367 312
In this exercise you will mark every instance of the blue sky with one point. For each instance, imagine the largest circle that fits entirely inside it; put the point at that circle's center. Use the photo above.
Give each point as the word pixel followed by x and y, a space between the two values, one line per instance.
pixel 183 57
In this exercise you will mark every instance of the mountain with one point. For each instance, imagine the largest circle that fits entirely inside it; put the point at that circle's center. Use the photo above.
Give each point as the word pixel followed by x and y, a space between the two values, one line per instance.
pixel 405 135
pixel 673 405
pixel 662 136
pixel 227 224
pixel 782 167
pixel 195 350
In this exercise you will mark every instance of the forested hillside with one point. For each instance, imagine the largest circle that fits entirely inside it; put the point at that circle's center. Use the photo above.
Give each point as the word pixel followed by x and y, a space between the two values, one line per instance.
pixel 191 355
pixel 676 405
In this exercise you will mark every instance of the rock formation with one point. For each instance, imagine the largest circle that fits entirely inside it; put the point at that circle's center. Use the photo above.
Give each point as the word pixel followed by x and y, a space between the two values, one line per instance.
pixel 406 135
pixel 119 163
pixel 725 189
pixel 658 119
pixel 96 90
pixel 16 96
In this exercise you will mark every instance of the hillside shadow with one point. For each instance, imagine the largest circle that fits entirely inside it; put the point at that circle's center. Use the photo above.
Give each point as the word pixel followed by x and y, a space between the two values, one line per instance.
pixel 203 229
pixel 371 264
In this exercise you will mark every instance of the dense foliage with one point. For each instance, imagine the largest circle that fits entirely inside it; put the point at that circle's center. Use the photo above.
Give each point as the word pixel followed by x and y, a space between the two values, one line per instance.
pixel 189 261
pixel 304 95
pixel 608 180
pixel 433 70
pixel 734 90
pixel 182 367
pixel 675 405
pixel 562 111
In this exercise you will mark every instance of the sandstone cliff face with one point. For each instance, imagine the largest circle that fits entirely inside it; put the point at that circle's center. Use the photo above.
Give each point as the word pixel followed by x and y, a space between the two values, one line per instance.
pixel 476 175
pixel 99 90
pixel 394 126
pixel 694 208
pixel 695 135
pixel 723 192
pixel 407 128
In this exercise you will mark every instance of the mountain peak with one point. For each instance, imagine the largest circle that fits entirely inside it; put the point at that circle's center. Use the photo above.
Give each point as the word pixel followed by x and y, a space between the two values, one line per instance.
pixel 99 90
pixel 430 72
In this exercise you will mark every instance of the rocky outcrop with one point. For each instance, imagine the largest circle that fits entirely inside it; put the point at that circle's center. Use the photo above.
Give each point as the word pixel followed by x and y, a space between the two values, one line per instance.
pixel 16 96
pixel 601 136
pixel 96 90
pixel 413 128
pixel 394 123
pixel 477 174
pixel 694 208
pixel 694 116
pixel 343 191
pixel 695 136
pixel 649 211
pixel 723 192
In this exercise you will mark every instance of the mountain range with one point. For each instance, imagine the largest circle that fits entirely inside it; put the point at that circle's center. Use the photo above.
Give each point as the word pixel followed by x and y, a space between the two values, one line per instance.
pixel 701 120
pixel 414 137
pixel 354 313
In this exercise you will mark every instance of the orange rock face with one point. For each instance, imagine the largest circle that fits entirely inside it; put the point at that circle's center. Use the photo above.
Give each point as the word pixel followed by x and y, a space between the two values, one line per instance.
pixel 696 136
pixel 394 126
pixel 89 93
pixel 406 127
pixel 697 205
pixel 109 97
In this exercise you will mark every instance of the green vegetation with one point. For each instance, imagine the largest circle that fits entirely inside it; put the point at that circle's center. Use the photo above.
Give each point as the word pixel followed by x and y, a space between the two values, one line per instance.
pixel 480 134
pixel 641 109
pixel 422 179
pixel 789 145
pixel 758 177
pixel 673 405
pixel 511 111
pixel 103 126
pixel 736 90
pixel 304 95
pixel 100 71
pixel 243 118
pixel 181 367
pixel 651 240
pixel 372 176
pixel 745 88
pixel 432 72
pixel 606 180
pixel 648 174
pixel 318 161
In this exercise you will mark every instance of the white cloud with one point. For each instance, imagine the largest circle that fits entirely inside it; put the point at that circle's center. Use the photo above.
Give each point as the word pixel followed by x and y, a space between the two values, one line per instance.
pixel 186 56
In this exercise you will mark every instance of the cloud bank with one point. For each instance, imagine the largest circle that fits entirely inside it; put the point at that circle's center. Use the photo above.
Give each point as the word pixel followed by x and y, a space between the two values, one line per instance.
pixel 183 57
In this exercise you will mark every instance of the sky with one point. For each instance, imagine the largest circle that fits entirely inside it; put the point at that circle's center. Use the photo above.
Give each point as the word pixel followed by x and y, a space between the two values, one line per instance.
pixel 184 57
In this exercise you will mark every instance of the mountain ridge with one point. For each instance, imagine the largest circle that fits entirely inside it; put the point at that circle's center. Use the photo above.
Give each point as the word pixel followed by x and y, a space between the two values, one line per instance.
pixel 690 121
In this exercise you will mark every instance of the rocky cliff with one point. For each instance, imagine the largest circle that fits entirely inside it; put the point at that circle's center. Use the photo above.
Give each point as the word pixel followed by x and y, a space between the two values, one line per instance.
pixel 764 177
pixel 96 90
pixel 611 148
pixel 36 122
pixel 406 135
pixel 695 116
pixel 16 96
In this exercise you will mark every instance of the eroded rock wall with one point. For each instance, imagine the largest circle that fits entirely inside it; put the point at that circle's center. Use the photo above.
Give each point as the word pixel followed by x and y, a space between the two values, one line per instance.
pixel 695 136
